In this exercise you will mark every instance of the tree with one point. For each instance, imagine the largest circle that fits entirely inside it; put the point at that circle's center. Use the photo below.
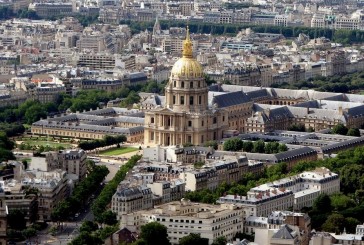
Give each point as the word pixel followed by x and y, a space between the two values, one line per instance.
pixel 34 113
pixel 212 143
pixel 154 233
pixel 341 202
pixel 109 218
pixel 339 129
pixel 86 238
pixel 29 232
pixel 132 98
pixel 193 239
pixel 233 144
pixel 25 164
pixel 353 132
pixel 322 203
pixel 297 127
pixel 334 223
pixel 88 226
pixel 248 146
pixel 282 148
pixel 16 219
pixel 350 225
pixel 258 146
pixel 220 241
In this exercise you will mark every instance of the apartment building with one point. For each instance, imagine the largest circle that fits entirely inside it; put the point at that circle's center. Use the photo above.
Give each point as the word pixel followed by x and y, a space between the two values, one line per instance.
pixel 183 217
pixel 131 198
pixel 97 61
pixel 261 204
pixel 12 98
pixel 53 188
pixel 71 161
pixel 47 92
pixel 46 10
pixel 17 199
pixel 107 84
pixel 306 186
pixel 229 171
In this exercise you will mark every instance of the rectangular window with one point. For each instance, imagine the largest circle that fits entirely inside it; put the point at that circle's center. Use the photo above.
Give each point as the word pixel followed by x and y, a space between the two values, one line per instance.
pixel 189 123
pixel 182 100
pixel 174 99
pixel 214 120
pixel 202 123
pixel 191 100
pixel 199 100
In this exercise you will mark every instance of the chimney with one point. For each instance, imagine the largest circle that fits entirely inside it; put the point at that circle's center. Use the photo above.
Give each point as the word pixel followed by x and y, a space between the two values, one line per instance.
pixel 341 112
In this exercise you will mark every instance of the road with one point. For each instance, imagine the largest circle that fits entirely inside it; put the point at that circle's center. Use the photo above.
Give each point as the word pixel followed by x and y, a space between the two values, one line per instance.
pixel 71 229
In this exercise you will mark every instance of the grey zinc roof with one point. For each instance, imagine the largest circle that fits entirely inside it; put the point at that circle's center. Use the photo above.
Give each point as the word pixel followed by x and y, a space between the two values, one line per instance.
pixel 127 192
pixel 337 145
pixel 285 232
pixel 230 99
pixel 90 128
pixel 256 94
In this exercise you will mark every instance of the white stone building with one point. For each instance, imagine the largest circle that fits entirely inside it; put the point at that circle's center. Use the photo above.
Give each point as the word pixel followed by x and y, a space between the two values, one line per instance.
pixel 183 217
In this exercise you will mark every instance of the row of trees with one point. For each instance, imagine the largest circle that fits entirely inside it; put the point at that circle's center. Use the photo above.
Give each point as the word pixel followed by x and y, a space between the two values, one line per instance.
pixel 8 13
pixel 6 145
pixel 100 204
pixel 300 128
pixel 81 193
pixel 12 129
pixel 259 146
pixel 341 36
pixel 343 130
pixel 338 84
pixel 106 141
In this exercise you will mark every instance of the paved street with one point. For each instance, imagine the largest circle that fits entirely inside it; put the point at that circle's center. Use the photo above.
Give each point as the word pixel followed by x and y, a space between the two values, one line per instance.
pixel 70 229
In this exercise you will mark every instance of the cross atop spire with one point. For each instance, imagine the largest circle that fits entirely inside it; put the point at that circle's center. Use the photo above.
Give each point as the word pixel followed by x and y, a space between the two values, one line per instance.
pixel 187 46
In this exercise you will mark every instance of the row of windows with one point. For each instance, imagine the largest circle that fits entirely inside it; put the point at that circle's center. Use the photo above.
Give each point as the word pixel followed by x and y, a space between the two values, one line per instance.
pixel 183 84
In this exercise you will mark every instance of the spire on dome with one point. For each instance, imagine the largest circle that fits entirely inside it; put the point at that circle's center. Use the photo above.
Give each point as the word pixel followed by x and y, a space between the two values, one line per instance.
pixel 187 46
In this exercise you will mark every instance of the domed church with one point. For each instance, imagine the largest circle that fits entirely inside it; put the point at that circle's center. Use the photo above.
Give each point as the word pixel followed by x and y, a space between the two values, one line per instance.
pixel 186 116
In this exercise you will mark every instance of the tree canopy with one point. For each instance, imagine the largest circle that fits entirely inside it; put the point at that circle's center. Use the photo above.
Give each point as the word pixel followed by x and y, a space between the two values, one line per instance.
pixel 154 233
pixel 193 239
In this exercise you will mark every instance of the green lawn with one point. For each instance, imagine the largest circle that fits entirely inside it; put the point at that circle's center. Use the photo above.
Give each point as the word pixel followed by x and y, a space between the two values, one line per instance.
pixel 44 143
pixel 118 151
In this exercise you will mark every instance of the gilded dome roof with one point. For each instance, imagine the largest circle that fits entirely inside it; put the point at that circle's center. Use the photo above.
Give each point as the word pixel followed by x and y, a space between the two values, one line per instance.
pixel 187 66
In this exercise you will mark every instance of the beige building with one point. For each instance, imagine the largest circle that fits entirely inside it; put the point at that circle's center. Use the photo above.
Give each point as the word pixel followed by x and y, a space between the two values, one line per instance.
pixel 262 203
pixel 210 177
pixel 186 116
pixel 71 161
pixel 183 217
pixel 52 188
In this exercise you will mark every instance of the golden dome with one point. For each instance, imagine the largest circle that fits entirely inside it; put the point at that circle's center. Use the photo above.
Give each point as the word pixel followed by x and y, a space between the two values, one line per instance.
pixel 187 66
